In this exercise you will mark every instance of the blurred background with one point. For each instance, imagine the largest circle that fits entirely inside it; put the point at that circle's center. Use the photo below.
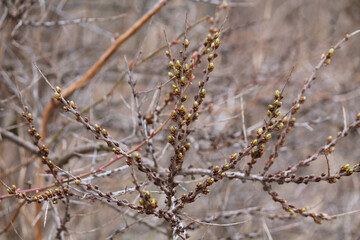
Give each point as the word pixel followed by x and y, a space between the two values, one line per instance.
pixel 262 44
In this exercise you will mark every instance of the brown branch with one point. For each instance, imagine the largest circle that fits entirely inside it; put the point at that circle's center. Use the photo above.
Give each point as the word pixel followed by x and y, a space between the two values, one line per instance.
pixel 99 63
pixel 14 217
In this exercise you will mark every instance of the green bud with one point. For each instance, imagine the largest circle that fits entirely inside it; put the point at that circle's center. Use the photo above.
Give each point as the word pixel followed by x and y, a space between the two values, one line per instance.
pixel 186 67
pixel 211 67
pixel 57 95
pixel 268 136
pixel 176 72
pixel 104 132
pixel 186 43
pixel 30 117
pixel 331 52
pixel 182 81
pixel 178 64
pixel 72 104
pixel 203 92
pixel 153 203
pixel 217 43
pixel 171 140
pixel 277 94
pixel 225 167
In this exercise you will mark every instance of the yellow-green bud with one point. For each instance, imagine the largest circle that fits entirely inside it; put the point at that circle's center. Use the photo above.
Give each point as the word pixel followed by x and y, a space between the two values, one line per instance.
pixel 104 132
pixel 72 104
pixel 211 67
pixel 57 95
pixel 331 52
pixel 268 136
pixel 203 92
pixel 186 43
pixel 225 167
pixel 277 94
pixel 153 203
pixel 178 64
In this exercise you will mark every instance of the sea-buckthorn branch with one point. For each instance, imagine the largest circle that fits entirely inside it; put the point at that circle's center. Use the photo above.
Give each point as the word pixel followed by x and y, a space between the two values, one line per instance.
pixel 317 217
pixel 264 134
pixel 278 95
pixel 148 203
pixel 43 149
pixel 345 170
pixel 280 177
pixel 53 195
pixel 180 115
pixel 256 147
pixel 90 106
pixel 125 212
pixel 219 173
pixel 274 112
pixel 100 133
pixel 132 65
pixel 101 168
pixel 203 187
pixel 329 147
pixel 182 76
pixel 301 98
pixel 70 106
pixel 215 175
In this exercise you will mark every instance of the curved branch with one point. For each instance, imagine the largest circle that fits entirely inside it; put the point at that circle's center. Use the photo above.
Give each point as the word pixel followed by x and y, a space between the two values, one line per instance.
pixel 99 64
